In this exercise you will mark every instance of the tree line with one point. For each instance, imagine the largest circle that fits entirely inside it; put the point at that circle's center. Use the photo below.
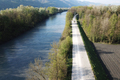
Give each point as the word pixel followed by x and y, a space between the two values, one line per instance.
pixel 100 23
pixel 14 22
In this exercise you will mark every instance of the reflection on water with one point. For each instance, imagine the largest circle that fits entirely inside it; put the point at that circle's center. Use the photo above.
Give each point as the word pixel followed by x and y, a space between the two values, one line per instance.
pixel 16 54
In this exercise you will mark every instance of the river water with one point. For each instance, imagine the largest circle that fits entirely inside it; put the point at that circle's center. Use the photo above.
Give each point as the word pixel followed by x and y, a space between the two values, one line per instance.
pixel 16 54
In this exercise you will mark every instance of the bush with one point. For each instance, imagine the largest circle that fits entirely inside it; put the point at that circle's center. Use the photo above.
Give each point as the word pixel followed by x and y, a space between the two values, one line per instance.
pixel 56 68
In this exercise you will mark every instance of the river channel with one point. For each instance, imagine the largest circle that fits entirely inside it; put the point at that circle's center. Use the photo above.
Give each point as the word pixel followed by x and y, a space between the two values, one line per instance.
pixel 16 54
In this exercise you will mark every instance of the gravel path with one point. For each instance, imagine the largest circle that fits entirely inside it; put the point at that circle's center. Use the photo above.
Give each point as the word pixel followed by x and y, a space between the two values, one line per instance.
pixel 81 68
pixel 110 56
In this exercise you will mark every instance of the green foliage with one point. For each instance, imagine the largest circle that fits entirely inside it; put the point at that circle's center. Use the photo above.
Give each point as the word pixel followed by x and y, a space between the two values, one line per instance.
pixel 92 17
pixel 113 22
pixel 65 46
pixel 67 30
pixel 58 66
pixel 90 8
pixel 69 16
pixel 52 10
pixel 100 23
pixel 14 22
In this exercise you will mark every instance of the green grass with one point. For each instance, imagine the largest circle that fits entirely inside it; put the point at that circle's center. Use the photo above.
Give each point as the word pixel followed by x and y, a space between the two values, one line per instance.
pixel 97 68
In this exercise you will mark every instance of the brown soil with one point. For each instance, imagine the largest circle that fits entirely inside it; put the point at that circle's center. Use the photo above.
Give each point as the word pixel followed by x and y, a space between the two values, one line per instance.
pixel 110 59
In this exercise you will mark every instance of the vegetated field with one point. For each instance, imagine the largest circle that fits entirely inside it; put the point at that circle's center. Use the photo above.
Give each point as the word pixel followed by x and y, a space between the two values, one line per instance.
pixel 60 65
pixel 14 22
pixel 100 23
pixel 110 56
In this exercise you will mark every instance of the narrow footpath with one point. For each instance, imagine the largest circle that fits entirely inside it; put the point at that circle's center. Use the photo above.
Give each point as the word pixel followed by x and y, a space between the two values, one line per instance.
pixel 81 68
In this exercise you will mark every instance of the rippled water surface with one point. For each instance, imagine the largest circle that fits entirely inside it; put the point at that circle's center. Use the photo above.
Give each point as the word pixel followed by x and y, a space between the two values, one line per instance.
pixel 16 54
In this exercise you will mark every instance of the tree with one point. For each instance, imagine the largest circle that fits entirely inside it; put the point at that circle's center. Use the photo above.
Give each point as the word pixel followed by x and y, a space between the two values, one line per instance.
pixel 57 68
pixel 113 22
pixel 36 71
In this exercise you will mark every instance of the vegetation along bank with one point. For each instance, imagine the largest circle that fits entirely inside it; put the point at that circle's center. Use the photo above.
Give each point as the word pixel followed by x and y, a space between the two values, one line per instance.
pixel 60 65
pixel 14 22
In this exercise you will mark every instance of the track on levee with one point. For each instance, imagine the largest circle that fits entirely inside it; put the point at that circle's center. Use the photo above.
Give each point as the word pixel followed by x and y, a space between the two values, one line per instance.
pixel 81 68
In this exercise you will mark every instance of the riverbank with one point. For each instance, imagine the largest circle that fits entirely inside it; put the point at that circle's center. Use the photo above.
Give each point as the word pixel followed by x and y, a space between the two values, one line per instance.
pixel 60 65
pixel 14 22
pixel 110 59
pixel 16 54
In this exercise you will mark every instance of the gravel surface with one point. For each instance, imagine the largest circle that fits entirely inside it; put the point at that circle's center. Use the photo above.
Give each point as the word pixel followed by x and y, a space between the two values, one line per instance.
pixel 110 57
pixel 81 68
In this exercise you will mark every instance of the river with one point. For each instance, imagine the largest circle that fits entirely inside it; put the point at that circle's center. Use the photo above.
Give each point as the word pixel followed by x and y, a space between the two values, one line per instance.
pixel 16 54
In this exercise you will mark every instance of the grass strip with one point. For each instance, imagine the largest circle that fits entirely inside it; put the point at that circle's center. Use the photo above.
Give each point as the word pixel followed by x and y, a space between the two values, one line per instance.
pixel 97 68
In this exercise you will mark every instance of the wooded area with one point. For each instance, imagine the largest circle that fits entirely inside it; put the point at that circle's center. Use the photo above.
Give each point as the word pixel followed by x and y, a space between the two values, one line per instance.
pixel 100 23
